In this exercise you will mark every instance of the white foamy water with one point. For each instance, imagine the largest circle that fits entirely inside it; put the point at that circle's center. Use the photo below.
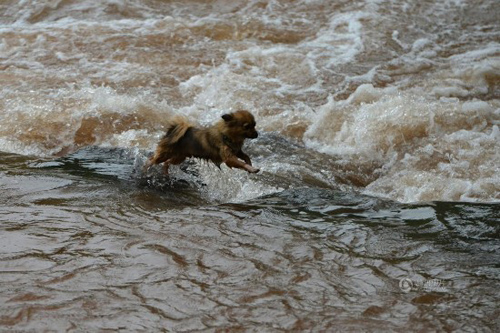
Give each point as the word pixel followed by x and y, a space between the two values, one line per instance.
pixel 421 148
pixel 410 109
pixel 366 110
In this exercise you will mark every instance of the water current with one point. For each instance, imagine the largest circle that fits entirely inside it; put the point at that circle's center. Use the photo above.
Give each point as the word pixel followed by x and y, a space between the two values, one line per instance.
pixel 377 207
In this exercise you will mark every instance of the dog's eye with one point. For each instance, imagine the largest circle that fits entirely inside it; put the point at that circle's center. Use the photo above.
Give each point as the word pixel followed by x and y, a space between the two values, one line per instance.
pixel 247 126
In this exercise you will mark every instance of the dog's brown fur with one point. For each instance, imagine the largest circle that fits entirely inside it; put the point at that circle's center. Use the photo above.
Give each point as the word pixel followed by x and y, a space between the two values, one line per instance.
pixel 219 143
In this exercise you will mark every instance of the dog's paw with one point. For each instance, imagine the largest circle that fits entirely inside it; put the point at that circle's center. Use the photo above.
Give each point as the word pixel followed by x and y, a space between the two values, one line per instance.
pixel 253 170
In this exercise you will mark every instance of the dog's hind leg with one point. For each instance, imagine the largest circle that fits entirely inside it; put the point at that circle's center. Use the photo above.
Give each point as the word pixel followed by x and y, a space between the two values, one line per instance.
pixel 157 158
pixel 174 161
pixel 165 167
pixel 147 165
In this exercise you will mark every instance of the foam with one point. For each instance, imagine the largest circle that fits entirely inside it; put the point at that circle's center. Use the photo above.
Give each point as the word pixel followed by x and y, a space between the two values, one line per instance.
pixel 401 108
pixel 341 41
pixel 25 13
pixel 390 120
pixel 420 44
pixel 68 119
pixel 422 148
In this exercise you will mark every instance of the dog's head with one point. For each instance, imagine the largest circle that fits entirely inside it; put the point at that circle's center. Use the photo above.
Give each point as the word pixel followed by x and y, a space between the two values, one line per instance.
pixel 241 124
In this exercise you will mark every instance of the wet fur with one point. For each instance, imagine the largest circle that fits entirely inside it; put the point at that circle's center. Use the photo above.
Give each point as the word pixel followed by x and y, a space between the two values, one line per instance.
pixel 219 143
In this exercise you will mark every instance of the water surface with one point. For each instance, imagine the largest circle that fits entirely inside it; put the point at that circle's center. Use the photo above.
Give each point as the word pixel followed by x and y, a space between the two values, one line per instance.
pixel 377 204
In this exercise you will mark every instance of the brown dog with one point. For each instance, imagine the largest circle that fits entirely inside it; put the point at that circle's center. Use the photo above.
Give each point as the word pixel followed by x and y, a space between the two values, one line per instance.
pixel 219 143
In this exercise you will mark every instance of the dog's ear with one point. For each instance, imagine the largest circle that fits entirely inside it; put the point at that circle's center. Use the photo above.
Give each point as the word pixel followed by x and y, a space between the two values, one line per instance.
pixel 227 117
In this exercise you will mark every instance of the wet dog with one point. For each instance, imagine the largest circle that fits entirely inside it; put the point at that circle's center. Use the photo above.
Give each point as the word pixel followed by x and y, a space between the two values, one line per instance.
pixel 219 143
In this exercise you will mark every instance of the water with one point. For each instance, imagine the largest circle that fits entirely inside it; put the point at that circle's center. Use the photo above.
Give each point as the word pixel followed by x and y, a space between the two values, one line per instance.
pixel 377 207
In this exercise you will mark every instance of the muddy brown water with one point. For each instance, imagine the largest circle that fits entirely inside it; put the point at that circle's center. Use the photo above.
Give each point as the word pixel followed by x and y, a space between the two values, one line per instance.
pixel 377 204
pixel 84 249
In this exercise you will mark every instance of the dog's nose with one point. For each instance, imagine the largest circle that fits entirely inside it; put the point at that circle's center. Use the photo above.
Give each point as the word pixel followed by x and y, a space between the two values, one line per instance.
pixel 255 134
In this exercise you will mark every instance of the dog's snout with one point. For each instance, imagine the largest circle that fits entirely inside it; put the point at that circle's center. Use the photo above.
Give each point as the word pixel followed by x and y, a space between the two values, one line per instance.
pixel 254 134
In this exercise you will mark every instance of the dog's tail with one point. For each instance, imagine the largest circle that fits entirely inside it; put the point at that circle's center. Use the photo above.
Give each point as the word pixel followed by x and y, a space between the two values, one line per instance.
pixel 176 128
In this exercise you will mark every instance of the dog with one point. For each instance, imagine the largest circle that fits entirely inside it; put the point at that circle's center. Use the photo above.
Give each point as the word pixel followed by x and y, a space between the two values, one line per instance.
pixel 219 143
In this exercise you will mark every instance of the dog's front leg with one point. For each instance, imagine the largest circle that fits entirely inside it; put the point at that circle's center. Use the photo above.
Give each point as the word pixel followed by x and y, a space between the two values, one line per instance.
pixel 234 162
pixel 244 157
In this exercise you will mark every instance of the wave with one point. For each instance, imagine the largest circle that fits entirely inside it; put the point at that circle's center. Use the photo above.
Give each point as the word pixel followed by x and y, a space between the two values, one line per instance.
pixel 407 112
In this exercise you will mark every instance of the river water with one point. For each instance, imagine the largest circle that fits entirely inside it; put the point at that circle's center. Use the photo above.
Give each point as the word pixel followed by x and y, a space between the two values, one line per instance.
pixel 377 207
